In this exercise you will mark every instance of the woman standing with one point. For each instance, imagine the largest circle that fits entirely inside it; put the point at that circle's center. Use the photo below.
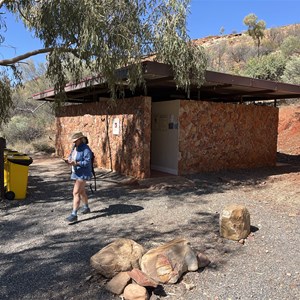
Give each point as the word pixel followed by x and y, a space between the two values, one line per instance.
pixel 81 161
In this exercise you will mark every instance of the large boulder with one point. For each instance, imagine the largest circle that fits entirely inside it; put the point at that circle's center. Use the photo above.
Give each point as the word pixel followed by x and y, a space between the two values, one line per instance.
pixel 121 255
pixel 166 263
pixel 235 222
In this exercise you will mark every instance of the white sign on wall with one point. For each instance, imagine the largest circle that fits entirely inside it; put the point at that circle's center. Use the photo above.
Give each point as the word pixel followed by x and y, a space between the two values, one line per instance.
pixel 116 126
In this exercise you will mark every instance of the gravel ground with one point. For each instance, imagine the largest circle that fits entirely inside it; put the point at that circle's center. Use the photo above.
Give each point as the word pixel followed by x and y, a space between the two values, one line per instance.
pixel 43 257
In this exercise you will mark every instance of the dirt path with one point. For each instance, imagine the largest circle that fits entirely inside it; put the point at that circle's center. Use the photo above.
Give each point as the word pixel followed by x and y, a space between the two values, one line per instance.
pixel 42 257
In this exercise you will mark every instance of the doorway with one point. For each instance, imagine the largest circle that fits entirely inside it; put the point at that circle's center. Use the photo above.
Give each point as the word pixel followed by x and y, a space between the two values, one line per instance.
pixel 164 136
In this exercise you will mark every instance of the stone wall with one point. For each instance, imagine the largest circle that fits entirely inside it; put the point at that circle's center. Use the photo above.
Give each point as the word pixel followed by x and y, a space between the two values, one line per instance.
pixel 127 153
pixel 212 136
pixel 215 136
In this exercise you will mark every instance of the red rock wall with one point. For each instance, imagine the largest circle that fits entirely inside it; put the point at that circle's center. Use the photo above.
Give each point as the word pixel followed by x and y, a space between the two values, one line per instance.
pixel 128 152
pixel 216 136
pixel 212 136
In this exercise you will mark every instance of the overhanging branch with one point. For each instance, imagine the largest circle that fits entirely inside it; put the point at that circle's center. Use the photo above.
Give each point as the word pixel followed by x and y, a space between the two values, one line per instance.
pixel 31 110
pixel 2 2
pixel 11 61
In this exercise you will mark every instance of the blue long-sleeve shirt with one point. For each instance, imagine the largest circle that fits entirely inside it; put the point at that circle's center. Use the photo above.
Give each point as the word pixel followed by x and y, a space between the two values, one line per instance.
pixel 84 157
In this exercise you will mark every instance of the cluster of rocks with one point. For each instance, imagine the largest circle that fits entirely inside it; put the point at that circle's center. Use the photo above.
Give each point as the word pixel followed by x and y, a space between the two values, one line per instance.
pixel 136 274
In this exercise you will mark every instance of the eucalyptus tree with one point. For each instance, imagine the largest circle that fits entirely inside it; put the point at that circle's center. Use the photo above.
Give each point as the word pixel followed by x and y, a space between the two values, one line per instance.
pixel 102 36
pixel 269 67
pixel 256 29
pixel 290 46
pixel 291 72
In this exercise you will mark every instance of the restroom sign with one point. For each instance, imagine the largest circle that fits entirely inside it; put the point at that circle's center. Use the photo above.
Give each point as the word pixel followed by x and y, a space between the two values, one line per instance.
pixel 116 126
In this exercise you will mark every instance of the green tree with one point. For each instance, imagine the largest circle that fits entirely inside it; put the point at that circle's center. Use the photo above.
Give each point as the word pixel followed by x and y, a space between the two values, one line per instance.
pixel 23 128
pixel 290 46
pixel 31 120
pixel 256 29
pixel 217 52
pixel 274 37
pixel 33 81
pixel 102 36
pixel 292 71
pixel 239 52
pixel 269 67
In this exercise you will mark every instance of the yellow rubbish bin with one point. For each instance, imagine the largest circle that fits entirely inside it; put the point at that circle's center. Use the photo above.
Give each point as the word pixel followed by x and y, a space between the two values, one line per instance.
pixel 16 167
pixel 7 152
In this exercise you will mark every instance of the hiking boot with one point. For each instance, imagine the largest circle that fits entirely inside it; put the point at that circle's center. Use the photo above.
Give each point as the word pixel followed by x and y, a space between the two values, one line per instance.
pixel 71 218
pixel 85 210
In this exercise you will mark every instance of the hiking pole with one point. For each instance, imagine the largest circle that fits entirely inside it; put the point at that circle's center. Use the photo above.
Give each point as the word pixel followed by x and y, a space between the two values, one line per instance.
pixel 91 188
pixel 95 180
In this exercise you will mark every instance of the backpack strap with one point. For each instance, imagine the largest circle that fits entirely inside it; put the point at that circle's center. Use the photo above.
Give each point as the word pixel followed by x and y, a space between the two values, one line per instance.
pixel 93 172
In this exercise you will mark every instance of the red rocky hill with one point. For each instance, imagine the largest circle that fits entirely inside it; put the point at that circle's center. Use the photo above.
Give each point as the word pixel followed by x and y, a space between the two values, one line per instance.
pixel 289 129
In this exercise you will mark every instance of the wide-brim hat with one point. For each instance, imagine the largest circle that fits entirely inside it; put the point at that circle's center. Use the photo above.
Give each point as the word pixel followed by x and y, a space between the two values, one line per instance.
pixel 76 136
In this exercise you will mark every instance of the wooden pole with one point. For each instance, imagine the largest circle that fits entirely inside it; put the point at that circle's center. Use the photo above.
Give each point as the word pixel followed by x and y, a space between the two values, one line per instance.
pixel 2 146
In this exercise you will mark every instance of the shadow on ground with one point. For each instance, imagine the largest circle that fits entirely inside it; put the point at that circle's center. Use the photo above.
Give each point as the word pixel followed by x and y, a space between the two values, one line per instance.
pixel 45 259
pixel 58 187
pixel 114 209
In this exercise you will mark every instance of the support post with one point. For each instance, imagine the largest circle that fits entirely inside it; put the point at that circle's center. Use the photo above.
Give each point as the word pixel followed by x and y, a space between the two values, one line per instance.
pixel 2 146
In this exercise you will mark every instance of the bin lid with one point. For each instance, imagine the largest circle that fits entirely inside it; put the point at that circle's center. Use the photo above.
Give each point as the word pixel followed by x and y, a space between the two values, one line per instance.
pixel 8 151
pixel 20 159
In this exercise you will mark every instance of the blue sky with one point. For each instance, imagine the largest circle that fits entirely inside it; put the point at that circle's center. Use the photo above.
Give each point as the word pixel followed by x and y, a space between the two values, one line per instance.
pixel 207 17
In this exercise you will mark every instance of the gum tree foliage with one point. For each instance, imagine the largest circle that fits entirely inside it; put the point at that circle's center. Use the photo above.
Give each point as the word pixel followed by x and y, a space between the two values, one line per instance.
pixel 30 119
pixel 274 36
pixel 221 49
pixel 240 52
pixel 34 81
pixel 102 36
pixel 256 29
pixel 24 129
pixel 216 54
pixel 269 67
pixel 292 70
pixel 290 46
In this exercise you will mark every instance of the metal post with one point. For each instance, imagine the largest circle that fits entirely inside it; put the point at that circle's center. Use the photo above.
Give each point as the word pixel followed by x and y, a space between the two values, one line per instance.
pixel 2 146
